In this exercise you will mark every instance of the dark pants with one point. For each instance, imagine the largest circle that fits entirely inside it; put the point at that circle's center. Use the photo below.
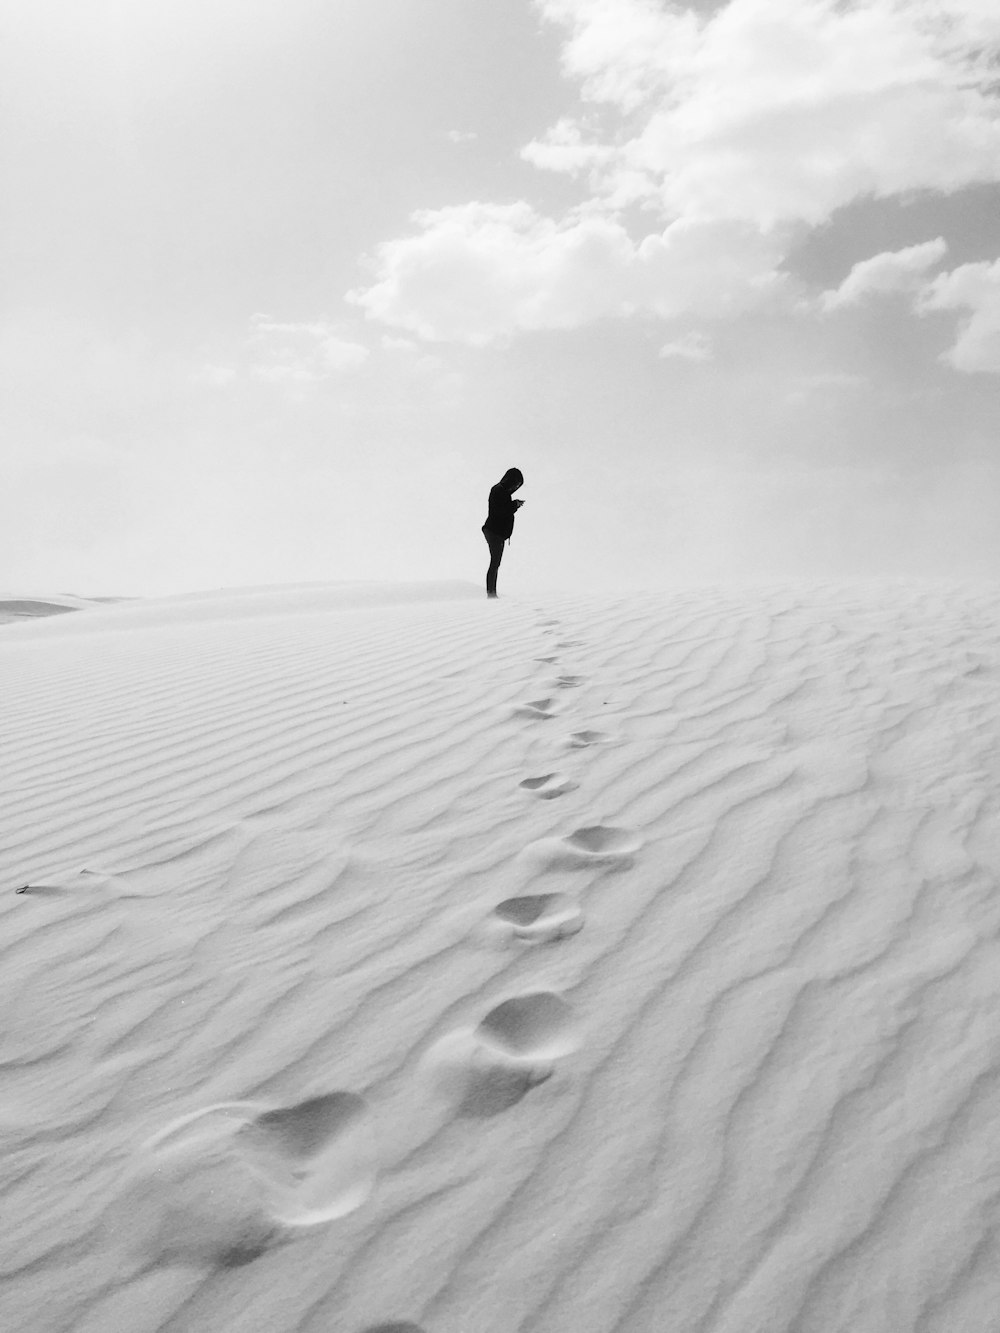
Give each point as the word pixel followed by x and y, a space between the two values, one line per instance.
pixel 495 542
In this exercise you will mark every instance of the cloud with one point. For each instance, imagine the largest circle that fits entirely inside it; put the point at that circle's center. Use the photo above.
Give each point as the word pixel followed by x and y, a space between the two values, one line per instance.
pixel 462 136
pixel 301 352
pixel 478 273
pixel 564 149
pixel 293 354
pixel 689 347
pixel 975 288
pixel 780 110
pixel 719 138
pixel 891 271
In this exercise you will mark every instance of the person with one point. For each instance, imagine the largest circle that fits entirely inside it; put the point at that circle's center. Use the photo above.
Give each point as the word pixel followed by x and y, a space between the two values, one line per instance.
pixel 500 522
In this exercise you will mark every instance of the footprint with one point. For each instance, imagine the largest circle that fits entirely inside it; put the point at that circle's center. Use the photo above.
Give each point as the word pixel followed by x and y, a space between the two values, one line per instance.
pixel 596 844
pixel 549 785
pixel 548 660
pixel 537 1026
pixel 568 682
pixel 223 1185
pixel 603 839
pixel 570 643
pixel 393 1328
pixel 488 1069
pixel 324 1147
pixel 580 739
pixel 537 708
pixel 540 917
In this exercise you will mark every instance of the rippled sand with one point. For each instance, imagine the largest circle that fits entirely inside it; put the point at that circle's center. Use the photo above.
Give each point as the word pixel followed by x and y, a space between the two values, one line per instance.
pixel 389 959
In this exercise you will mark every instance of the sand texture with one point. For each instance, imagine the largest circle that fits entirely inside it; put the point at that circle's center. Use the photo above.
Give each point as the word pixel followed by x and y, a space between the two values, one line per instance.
pixel 397 960
pixel 15 608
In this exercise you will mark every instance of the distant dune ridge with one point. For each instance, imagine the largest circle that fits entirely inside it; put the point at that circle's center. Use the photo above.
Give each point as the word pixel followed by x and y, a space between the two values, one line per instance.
pixel 32 608
pixel 390 959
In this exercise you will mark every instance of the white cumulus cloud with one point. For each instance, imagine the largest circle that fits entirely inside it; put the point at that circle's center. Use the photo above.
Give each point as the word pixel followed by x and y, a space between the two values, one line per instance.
pixel 892 271
pixel 733 131
pixel 774 110
pixel 974 288
pixel 477 273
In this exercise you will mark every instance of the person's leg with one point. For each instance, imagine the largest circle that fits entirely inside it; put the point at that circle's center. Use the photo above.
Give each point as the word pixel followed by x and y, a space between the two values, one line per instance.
pixel 495 544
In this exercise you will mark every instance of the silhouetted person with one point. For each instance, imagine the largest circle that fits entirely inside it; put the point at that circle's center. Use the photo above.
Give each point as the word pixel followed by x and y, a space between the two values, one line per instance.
pixel 500 522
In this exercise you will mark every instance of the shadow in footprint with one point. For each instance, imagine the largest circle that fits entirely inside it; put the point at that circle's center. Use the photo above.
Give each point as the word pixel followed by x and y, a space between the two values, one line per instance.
pixel 223 1185
pixel 536 1026
pixel 602 839
pixel 596 844
pixel 540 917
pixel 537 708
pixel 581 739
pixel 323 1149
pixel 488 1069
pixel 393 1328
pixel 496 1087
pixel 549 785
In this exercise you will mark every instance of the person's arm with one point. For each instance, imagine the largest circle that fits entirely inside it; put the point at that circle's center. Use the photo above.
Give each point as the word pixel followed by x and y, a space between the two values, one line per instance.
pixel 501 517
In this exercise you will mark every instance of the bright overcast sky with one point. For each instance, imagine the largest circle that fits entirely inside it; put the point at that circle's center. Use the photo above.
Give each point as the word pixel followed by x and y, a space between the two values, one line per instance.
pixel 288 284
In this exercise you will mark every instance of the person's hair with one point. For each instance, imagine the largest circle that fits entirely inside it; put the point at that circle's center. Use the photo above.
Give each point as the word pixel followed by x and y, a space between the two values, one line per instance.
pixel 512 474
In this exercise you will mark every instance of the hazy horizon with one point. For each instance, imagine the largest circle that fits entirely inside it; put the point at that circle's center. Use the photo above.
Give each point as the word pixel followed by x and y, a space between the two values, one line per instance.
pixel 290 286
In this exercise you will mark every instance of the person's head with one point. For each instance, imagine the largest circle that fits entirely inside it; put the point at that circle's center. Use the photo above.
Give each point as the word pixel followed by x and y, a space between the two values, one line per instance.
pixel 512 479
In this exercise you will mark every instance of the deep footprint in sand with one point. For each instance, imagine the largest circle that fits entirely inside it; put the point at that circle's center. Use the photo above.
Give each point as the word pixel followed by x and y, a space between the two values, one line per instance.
pixel 223 1185
pixel 540 709
pixel 536 1026
pixel 393 1328
pixel 602 845
pixel 488 1069
pixel 603 840
pixel 549 785
pixel 539 917
pixel 579 740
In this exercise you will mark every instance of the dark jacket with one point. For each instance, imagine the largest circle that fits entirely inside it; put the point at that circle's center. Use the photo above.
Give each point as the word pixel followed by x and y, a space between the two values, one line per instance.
pixel 500 519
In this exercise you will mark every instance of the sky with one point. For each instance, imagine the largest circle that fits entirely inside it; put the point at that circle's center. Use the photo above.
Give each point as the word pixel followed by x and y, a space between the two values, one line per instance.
pixel 287 285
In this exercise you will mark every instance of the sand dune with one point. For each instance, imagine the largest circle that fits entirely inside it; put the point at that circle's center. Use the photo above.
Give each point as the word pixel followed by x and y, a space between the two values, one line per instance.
pixel 15 608
pixel 389 959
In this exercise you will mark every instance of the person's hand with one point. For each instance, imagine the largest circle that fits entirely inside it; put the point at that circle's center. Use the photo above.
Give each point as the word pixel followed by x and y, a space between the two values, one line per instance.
pixel 518 504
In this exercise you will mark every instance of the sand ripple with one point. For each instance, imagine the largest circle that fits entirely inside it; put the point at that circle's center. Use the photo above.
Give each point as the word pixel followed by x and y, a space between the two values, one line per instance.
pixel 605 966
